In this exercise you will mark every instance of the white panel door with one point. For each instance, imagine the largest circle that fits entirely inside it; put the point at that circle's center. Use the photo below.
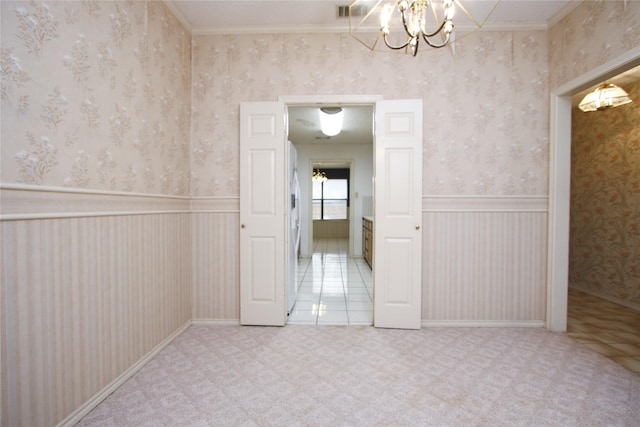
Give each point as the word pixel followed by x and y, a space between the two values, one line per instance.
pixel 262 214
pixel 397 223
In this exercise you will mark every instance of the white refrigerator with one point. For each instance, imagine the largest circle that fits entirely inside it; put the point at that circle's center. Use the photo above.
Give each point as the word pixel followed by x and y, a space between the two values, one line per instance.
pixel 293 234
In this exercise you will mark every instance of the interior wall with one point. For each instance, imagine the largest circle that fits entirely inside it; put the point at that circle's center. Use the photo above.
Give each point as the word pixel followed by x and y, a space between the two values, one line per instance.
pixel 604 245
pixel 593 34
pixel 95 161
pixel 485 115
pixel 485 147
pixel 95 95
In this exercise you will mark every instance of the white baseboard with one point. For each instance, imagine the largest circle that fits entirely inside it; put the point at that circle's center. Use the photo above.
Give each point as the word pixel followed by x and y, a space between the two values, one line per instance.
pixel 89 405
pixel 482 323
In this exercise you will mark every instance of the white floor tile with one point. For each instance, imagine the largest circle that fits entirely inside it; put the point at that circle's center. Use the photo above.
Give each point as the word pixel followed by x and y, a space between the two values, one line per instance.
pixel 334 289
pixel 333 316
pixel 306 316
pixel 357 297
pixel 361 316
pixel 359 305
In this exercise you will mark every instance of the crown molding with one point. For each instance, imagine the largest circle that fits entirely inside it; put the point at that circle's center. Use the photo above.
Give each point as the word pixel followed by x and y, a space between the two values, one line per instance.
pixel 170 4
pixel 562 13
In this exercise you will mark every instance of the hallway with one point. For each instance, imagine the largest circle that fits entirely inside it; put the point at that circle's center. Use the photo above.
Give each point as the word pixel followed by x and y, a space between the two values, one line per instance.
pixel 333 288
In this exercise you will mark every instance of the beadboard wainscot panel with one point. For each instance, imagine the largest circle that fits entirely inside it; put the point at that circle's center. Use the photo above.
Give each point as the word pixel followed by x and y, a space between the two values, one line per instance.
pixel 484 261
pixel 93 285
pixel 215 264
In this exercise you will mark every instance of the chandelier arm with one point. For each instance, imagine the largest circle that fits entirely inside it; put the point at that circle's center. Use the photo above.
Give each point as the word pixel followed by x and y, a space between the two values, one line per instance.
pixel 437 46
pixel 436 31
pixel 406 27
pixel 390 46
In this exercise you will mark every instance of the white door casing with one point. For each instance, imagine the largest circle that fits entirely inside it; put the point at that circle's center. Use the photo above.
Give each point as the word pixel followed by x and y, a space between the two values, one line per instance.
pixel 262 213
pixel 397 223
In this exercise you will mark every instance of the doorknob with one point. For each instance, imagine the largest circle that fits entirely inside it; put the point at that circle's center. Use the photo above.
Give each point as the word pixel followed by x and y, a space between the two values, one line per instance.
pixel 242 226
pixel 417 227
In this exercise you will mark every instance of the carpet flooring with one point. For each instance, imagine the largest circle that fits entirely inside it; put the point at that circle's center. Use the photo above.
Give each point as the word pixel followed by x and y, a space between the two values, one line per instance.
pixel 363 376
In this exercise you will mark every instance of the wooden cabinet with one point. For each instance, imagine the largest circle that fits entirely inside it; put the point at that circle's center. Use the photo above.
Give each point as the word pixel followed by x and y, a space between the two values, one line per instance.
pixel 367 240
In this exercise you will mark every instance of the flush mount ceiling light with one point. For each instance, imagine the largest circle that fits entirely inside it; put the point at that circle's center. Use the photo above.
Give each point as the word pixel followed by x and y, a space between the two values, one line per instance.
pixel 403 24
pixel 606 95
pixel 331 120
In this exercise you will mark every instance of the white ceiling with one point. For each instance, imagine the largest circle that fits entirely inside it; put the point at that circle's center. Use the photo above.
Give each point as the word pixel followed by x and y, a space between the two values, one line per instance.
pixel 304 126
pixel 250 16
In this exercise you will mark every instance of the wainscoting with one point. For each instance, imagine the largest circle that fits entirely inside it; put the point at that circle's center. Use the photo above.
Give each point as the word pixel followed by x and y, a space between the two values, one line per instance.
pixel 92 284
pixel 484 261
pixel 215 230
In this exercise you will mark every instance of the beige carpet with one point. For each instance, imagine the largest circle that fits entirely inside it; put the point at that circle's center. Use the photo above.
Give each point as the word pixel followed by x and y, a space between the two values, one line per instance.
pixel 361 376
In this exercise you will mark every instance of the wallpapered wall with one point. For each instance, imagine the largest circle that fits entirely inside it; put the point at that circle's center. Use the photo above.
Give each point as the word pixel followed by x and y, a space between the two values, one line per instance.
pixel 594 33
pixel 605 201
pixel 485 110
pixel 95 95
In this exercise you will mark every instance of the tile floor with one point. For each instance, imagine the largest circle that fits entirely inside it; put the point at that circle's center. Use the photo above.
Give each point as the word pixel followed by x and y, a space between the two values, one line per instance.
pixel 333 288
pixel 606 327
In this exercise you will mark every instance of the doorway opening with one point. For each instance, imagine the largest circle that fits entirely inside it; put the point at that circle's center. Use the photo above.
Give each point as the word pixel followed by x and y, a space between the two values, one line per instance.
pixel 333 285
pixel 397 234
pixel 560 181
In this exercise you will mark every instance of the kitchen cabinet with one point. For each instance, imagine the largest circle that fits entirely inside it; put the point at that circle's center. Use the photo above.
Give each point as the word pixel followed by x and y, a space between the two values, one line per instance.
pixel 367 240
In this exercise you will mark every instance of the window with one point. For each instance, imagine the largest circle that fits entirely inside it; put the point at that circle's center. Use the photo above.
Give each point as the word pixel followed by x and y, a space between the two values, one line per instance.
pixel 331 197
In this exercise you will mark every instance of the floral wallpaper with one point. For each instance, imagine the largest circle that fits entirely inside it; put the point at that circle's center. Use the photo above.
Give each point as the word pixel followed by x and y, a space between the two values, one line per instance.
pixel 605 200
pixel 95 95
pixel 594 33
pixel 485 106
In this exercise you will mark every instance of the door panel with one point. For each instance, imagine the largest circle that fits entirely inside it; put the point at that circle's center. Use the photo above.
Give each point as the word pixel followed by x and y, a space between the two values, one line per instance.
pixel 399 251
pixel 399 185
pixel 398 214
pixel 262 215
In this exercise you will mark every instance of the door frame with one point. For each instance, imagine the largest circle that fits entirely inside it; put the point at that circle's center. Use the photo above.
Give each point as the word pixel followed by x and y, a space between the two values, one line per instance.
pixel 316 100
pixel 350 212
pixel 560 182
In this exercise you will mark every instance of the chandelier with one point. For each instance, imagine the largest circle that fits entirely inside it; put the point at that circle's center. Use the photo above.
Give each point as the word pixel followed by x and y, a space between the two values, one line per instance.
pixel 319 176
pixel 606 95
pixel 402 25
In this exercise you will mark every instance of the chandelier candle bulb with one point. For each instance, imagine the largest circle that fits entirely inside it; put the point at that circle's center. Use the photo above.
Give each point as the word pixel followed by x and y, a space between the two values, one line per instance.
pixel 385 16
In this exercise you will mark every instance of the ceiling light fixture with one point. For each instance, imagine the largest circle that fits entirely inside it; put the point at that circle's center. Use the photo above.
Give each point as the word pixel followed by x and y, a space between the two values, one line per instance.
pixel 319 176
pixel 331 120
pixel 402 24
pixel 606 95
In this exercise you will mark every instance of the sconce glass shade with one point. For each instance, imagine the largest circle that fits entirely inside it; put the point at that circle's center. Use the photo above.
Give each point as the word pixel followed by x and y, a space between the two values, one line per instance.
pixel 605 96
pixel 331 120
